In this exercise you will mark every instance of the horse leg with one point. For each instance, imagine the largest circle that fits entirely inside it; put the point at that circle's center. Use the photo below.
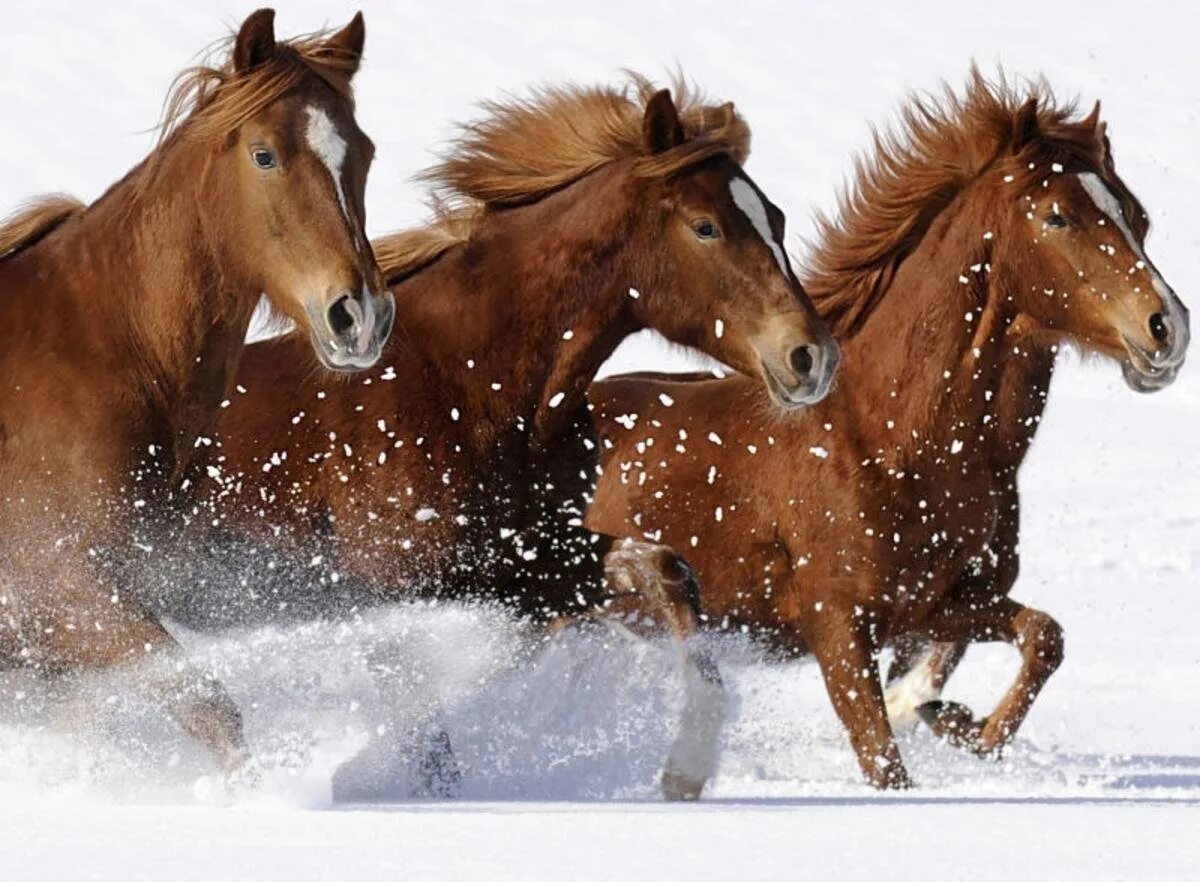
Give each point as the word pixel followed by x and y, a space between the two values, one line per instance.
pixel 438 771
pixel 652 590
pixel 94 630
pixel 921 669
pixel 917 675
pixel 844 642
pixel 1039 639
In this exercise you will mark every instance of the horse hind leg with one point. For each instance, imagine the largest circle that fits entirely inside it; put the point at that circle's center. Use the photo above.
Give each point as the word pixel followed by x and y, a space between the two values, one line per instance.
pixel 657 592
pixel 1039 639
pixel 917 676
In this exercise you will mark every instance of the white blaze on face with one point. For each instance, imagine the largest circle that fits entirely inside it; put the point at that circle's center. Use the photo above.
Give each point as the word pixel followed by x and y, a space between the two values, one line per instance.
pixel 330 148
pixel 1110 206
pixel 747 199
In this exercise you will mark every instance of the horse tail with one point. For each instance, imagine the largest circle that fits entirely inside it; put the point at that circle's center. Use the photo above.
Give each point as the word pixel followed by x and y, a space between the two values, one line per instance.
pixel 35 220
pixel 402 254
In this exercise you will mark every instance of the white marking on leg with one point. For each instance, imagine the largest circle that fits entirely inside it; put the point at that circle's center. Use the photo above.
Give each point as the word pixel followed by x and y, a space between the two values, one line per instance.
pixel 330 148
pixel 747 199
pixel 910 692
pixel 693 756
pixel 634 566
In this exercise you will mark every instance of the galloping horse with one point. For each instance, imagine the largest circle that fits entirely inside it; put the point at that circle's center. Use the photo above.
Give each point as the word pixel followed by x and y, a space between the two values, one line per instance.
pixel 121 324
pixel 575 219
pixel 992 230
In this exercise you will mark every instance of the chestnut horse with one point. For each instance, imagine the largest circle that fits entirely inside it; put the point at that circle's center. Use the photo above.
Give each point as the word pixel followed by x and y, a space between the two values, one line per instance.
pixel 992 230
pixel 121 324
pixel 575 219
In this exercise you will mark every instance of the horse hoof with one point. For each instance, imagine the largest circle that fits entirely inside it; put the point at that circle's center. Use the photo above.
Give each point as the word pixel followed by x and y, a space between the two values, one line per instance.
pixel 952 721
pixel 677 787
pixel 894 777
pixel 439 773
pixel 930 711
pixel 899 780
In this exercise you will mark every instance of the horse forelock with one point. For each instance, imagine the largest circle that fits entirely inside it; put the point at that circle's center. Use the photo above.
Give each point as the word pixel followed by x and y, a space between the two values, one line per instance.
pixel 210 100
pixel 942 144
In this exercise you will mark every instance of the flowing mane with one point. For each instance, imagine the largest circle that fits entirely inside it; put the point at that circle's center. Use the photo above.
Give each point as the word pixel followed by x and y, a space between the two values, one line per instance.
pixel 941 145
pixel 205 102
pixel 525 149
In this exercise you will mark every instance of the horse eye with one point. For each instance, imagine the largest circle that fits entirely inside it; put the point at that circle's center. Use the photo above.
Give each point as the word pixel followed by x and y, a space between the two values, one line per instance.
pixel 1057 221
pixel 263 158
pixel 705 229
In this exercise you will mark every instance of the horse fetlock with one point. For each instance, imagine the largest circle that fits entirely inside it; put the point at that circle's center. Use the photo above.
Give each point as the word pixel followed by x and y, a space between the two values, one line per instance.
pixel 885 771
pixel 905 694
pixel 679 787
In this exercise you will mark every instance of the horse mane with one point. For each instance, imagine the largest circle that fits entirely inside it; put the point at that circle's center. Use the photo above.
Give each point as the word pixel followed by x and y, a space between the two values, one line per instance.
pixel 35 220
pixel 523 149
pixel 915 171
pixel 404 253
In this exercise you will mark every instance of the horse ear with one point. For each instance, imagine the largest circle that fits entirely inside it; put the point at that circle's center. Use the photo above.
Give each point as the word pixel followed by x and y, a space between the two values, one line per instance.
pixel 1105 145
pixel 661 128
pixel 348 42
pixel 1092 120
pixel 255 42
pixel 1025 125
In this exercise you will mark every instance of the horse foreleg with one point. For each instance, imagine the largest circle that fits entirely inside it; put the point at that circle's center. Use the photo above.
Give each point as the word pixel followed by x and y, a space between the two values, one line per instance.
pixel 1039 639
pixel 844 642
pixel 438 772
pixel 95 630
pixel 653 590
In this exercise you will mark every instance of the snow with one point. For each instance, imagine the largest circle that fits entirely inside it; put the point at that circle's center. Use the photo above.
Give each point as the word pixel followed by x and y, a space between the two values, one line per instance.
pixel 561 745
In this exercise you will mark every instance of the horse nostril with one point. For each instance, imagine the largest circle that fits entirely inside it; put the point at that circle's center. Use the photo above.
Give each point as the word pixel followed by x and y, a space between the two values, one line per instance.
pixel 1158 328
pixel 802 361
pixel 341 318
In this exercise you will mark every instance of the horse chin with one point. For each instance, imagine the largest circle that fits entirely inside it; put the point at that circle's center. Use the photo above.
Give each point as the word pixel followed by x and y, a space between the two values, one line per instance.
pixel 1147 379
pixel 789 400
pixel 336 357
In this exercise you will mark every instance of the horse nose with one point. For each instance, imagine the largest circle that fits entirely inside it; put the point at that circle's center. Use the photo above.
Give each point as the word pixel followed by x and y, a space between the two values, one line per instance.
pixel 343 314
pixel 1171 333
pixel 360 323
pixel 802 361
pixel 1159 329
pixel 814 366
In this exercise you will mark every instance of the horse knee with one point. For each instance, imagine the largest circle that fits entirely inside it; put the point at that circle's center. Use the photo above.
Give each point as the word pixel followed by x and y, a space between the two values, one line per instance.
pixel 664 583
pixel 207 712
pixel 1041 640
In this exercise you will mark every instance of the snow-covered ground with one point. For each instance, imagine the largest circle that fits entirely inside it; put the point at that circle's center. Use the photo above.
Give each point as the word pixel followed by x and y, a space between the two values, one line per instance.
pixel 561 747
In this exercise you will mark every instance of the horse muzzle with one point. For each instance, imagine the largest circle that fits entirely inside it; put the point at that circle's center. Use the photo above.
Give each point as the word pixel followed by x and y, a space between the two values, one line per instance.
pixel 349 333
pixel 1149 370
pixel 804 376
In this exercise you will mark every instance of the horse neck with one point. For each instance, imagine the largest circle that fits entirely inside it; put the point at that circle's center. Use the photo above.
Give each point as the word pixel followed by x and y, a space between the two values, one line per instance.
pixel 927 379
pixel 535 302
pixel 137 267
